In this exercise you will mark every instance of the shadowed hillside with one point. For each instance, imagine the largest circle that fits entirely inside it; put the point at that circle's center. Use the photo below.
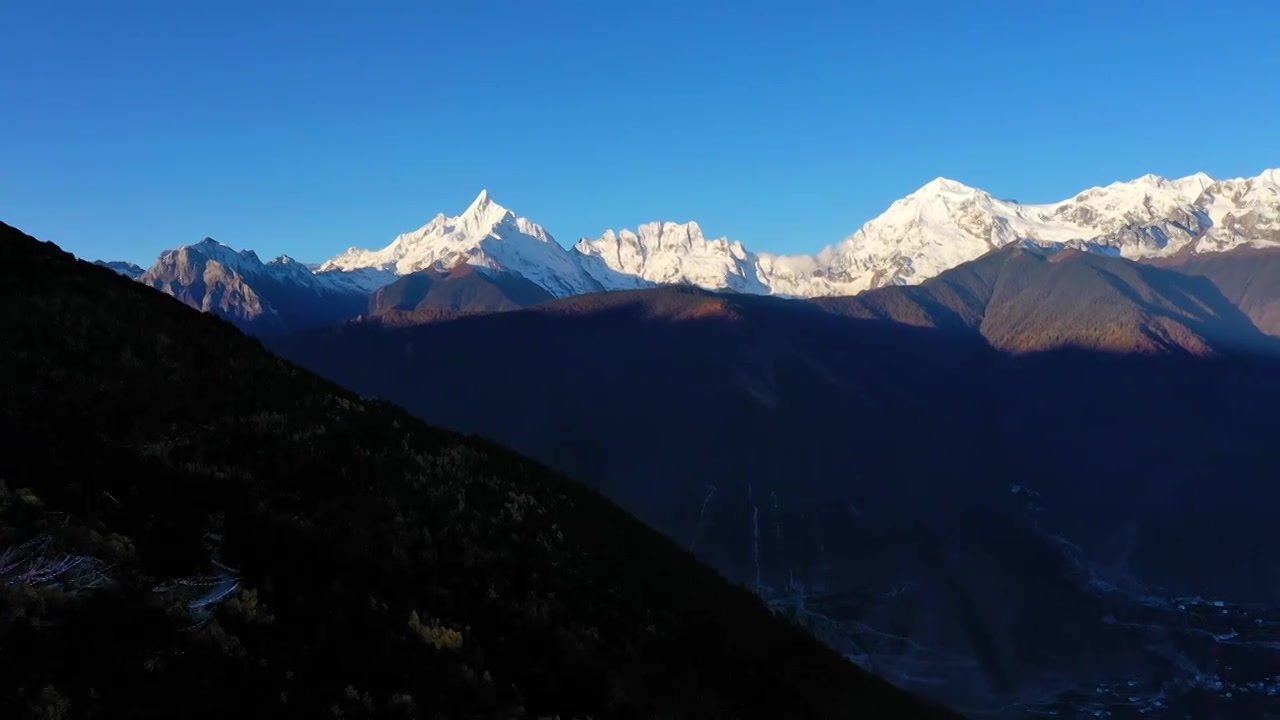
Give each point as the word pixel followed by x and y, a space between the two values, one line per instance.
pixel 1249 278
pixel 259 298
pixel 465 288
pixel 1027 299
pixel 949 514
pixel 193 527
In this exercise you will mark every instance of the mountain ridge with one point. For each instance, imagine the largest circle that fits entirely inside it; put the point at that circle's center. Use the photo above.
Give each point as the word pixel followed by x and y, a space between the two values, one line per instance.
pixel 485 234
pixel 1025 297
pixel 264 297
pixel 937 227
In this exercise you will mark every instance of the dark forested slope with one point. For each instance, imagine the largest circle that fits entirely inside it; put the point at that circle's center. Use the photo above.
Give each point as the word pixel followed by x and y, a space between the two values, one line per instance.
pixel 191 527
pixel 943 511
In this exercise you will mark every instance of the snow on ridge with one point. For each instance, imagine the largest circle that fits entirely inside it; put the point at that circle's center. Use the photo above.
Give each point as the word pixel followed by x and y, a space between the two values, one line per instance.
pixel 945 223
pixel 486 234
pixel 661 253
pixel 940 225
pixel 247 264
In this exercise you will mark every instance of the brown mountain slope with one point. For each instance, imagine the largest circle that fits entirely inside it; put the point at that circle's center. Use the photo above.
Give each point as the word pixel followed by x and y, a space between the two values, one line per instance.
pixel 1029 299
pixel 462 289
pixel 260 298
pixel 1249 278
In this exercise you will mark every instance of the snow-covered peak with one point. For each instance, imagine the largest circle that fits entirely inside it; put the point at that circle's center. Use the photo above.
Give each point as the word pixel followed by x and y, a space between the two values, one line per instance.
pixel 1150 179
pixel 483 202
pixel 937 197
pixel 1192 185
pixel 669 253
pixel 1243 212
pixel 662 235
pixel 485 234
pixel 943 186
pixel 285 267
pixel 945 223
pixel 940 225
pixel 484 216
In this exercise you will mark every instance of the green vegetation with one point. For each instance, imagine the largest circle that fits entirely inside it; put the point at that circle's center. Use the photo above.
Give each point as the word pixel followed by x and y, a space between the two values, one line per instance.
pixel 243 539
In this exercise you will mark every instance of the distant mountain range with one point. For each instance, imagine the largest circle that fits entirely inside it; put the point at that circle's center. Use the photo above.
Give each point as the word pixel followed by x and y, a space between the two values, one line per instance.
pixel 938 227
pixel 133 271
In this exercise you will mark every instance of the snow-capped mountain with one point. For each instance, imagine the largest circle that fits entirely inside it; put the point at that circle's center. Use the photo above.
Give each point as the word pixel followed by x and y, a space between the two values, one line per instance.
pixel 946 223
pixel 274 296
pixel 941 225
pixel 486 234
pixel 667 253
pixel 209 253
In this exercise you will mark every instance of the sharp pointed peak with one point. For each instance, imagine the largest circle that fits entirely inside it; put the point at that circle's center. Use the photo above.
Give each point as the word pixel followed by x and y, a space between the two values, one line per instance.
pixel 483 203
pixel 944 184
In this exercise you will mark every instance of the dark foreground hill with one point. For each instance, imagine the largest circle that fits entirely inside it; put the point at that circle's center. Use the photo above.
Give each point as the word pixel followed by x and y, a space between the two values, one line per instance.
pixel 192 527
pixel 990 528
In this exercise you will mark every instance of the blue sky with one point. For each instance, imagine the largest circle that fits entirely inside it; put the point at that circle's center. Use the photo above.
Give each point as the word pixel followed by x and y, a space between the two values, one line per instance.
pixel 307 127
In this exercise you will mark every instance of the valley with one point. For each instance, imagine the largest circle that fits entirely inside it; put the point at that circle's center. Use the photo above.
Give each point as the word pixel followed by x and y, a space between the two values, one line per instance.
pixel 955 504
pixel 971 478
pixel 640 361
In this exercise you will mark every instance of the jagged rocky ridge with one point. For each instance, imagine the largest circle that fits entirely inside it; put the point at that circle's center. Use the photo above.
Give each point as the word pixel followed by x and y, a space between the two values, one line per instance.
pixel 133 271
pixel 940 226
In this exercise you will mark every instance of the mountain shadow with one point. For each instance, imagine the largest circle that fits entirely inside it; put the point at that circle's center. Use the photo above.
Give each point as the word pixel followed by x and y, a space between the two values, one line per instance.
pixel 464 288
pixel 193 527
pixel 1249 278
pixel 260 298
pixel 1029 299
pixel 961 519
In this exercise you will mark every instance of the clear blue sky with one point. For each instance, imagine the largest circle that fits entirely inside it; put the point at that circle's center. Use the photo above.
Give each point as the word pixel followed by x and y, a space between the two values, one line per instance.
pixel 307 127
